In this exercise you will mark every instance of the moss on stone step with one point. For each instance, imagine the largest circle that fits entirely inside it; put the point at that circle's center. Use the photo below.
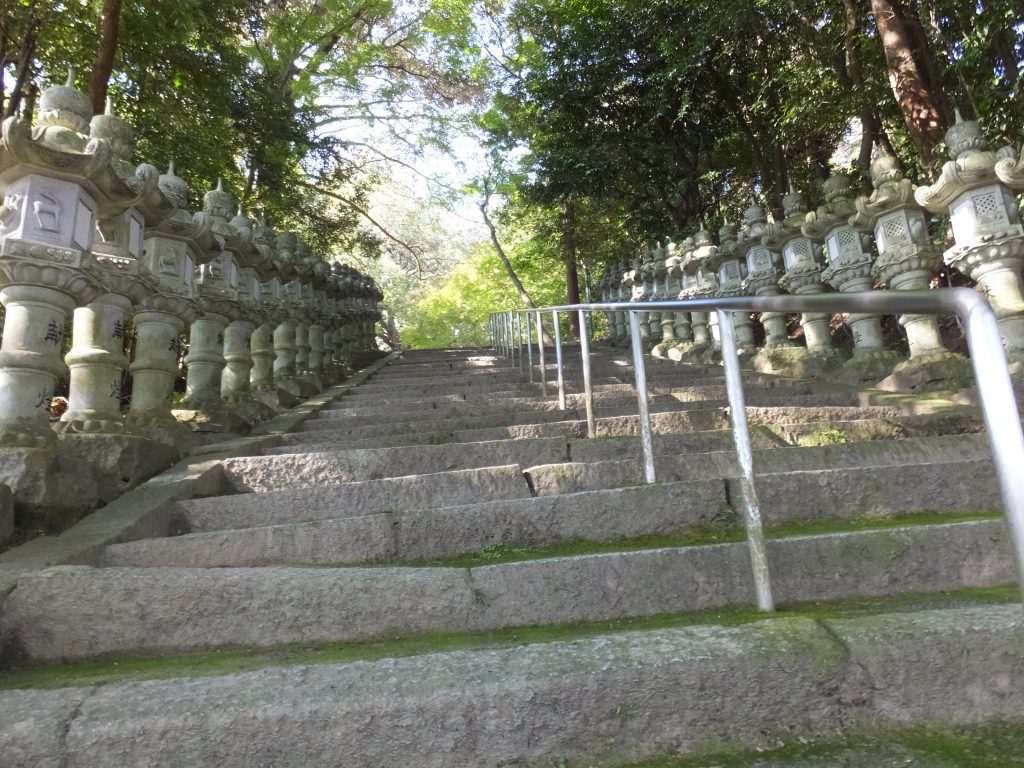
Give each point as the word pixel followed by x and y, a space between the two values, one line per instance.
pixel 992 745
pixel 231 660
pixel 723 532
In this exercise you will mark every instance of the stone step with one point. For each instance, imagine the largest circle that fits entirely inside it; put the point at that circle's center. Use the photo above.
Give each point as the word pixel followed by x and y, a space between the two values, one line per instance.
pixel 355 418
pixel 606 700
pixel 418 535
pixel 924 460
pixel 444 385
pixel 694 441
pixel 306 469
pixel 468 416
pixel 347 408
pixel 395 494
pixel 787 423
pixel 71 612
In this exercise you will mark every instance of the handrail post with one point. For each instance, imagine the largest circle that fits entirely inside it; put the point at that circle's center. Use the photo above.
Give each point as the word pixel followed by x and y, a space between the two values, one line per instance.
pixel 999 409
pixel 522 357
pixel 517 339
pixel 741 437
pixel 529 345
pixel 540 357
pixel 588 389
pixel 512 338
pixel 640 375
pixel 558 359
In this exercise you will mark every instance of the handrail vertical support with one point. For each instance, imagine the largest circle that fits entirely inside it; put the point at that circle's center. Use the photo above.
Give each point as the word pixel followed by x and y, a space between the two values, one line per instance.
pixel 520 344
pixel 640 375
pixel 529 345
pixel 999 410
pixel 588 388
pixel 540 357
pixel 558 359
pixel 512 337
pixel 744 454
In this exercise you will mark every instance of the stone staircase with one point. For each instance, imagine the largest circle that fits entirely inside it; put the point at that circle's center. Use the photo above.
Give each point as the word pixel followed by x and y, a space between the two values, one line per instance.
pixel 437 567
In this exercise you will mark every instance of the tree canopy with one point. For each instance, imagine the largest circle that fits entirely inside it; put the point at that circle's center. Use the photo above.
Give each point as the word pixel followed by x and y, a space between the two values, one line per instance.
pixel 607 124
pixel 275 96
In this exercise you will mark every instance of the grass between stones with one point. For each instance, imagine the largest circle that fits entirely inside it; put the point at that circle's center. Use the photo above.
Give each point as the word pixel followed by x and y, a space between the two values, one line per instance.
pixel 227 661
pixel 992 745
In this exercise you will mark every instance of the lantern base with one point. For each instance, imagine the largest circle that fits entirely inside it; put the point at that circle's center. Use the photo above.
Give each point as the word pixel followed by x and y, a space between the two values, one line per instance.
pixel 937 370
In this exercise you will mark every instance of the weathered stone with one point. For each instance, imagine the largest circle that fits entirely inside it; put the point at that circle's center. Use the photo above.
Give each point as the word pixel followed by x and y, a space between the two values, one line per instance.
pixel 119 462
pixel 597 516
pixel 442 489
pixel 36 725
pixel 113 609
pixel 612 699
pixel 37 478
pixel 69 612
pixel 269 473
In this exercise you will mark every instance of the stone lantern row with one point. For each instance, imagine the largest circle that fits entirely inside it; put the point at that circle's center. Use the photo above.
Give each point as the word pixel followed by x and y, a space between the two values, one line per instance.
pixel 84 233
pixel 849 245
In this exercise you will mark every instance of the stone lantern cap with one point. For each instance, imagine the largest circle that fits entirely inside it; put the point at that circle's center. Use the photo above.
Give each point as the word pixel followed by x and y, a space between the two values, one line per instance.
pixel 64 113
pixel 893 191
pixel 836 211
pixel 59 146
pixel 219 204
pixel 778 234
pixel 970 166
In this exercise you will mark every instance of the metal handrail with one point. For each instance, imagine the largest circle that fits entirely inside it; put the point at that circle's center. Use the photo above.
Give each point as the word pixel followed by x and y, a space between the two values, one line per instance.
pixel 995 389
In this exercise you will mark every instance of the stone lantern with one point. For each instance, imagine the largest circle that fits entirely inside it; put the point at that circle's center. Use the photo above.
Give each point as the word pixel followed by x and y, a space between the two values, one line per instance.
pixel 633 288
pixel 261 377
pixel 172 250
pixel 255 265
pixel 341 314
pixel 700 282
pixel 802 260
pixel 317 328
pixel 849 271
pixel 606 298
pixel 217 283
pixel 47 226
pixel 989 245
pixel 291 298
pixel 97 361
pixel 689 286
pixel 731 268
pixel 764 269
pixel 666 320
pixel 643 291
pixel 305 315
pixel 619 294
pixel 682 328
pixel 331 320
pixel 906 262
pixel 654 290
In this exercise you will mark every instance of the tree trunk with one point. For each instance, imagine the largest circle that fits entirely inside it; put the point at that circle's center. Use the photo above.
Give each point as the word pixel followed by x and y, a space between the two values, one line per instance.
pixel 110 20
pixel 28 49
pixel 919 97
pixel 524 297
pixel 572 275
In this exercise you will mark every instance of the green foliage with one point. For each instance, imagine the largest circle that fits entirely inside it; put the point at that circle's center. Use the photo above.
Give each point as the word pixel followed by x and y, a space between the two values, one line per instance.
pixel 276 97
pixel 456 314
pixel 829 436
pixel 659 115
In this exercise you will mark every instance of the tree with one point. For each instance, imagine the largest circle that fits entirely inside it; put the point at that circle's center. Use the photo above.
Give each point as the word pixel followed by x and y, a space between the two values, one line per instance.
pixel 257 91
